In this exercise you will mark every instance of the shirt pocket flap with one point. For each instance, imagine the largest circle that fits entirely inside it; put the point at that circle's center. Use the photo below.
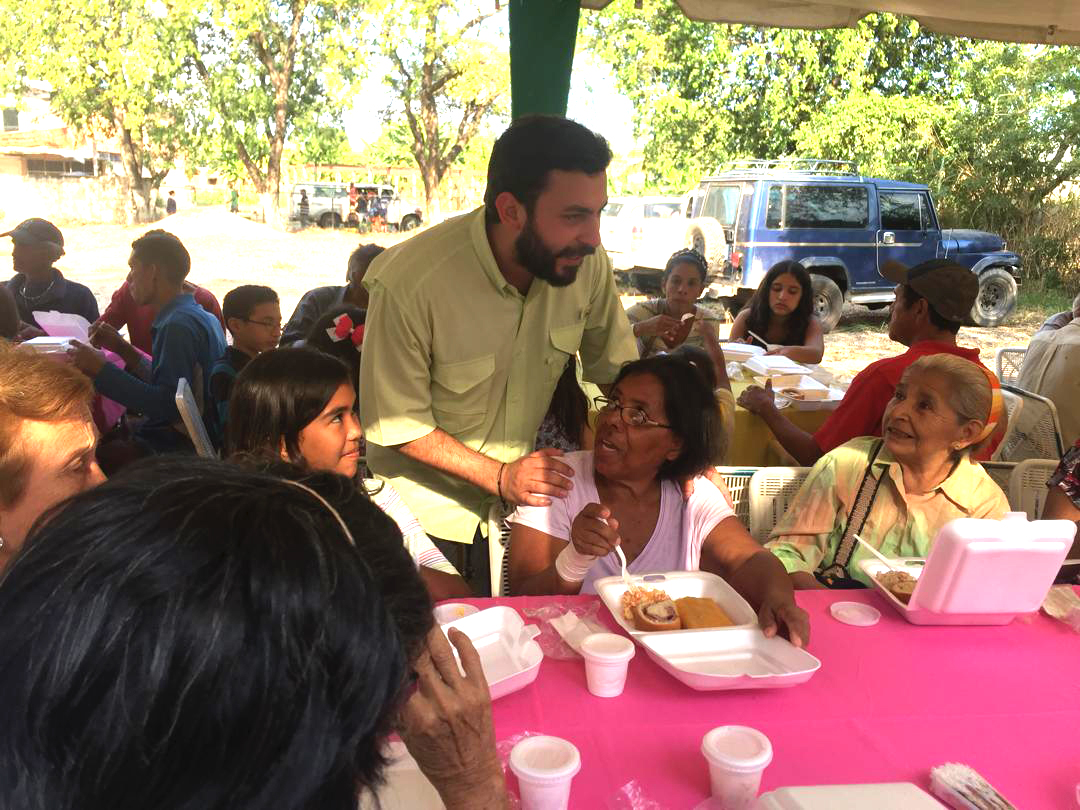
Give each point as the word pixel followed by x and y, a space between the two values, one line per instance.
pixel 568 338
pixel 462 376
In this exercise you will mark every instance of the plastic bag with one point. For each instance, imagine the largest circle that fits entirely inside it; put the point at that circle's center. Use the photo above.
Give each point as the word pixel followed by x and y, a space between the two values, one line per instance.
pixel 573 623
pixel 631 796
pixel 1063 604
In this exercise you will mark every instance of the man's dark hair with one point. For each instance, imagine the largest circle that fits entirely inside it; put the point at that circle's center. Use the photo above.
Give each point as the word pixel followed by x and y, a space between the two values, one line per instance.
pixel 344 349
pixel 278 394
pixel 200 635
pixel 164 250
pixel 241 301
pixel 689 408
pixel 911 298
pixel 361 258
pixel 532 147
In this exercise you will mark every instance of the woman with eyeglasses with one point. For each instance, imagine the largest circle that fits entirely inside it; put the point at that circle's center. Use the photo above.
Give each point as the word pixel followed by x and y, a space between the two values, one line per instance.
pixel 659 427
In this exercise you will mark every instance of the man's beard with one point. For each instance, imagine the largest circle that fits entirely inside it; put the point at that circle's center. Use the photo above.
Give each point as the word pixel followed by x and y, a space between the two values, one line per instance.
pixel 538 259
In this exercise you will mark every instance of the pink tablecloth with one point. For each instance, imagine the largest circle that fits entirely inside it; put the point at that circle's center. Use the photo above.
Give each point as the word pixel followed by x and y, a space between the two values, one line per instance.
pixel 888 703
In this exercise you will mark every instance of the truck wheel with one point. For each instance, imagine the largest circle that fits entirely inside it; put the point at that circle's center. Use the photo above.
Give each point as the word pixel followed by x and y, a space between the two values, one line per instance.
pixel 409 222
pixel 706 236
pixel 828 301
pixel 329 220
pixel 996 299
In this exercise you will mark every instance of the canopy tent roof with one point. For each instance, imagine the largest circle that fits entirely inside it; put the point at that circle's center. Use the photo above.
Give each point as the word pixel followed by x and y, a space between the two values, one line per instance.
pixel 1050 22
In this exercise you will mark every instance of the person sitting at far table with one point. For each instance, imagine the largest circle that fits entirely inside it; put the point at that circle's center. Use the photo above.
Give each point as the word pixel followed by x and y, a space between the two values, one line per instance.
pixel 659 427
pixel 202 636
pixel 1063 503
pixel 47 440
pixel 319 301
pixel 298 404
pixel 1060 319
pixel 781 312
pixel 915 480
pixel 253 315
pixel 662 324
pixel 123 311
pixel 933 300
pixel 1051 368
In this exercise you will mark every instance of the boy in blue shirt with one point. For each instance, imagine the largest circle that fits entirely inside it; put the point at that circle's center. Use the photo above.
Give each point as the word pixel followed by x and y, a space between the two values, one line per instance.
pixel 186 342
pixel 253 317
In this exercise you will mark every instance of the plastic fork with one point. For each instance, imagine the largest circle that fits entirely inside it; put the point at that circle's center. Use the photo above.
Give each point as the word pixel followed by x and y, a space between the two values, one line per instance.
pixel 891 563
pixel 630 586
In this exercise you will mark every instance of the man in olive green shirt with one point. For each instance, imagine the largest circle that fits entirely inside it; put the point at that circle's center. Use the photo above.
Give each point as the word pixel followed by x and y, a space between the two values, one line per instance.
pixel 470 325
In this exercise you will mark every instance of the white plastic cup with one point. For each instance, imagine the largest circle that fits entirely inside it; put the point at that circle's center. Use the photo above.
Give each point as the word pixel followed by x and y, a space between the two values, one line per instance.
pixel 737 755
pixel 607 655
pixel 544 766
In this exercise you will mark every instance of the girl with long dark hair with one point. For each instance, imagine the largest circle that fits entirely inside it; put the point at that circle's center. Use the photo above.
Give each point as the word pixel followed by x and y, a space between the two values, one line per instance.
pixel 781 313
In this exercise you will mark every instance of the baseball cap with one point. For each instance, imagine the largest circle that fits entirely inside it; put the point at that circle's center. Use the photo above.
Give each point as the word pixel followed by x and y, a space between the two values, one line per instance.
pixel 950 288
pixel 35 231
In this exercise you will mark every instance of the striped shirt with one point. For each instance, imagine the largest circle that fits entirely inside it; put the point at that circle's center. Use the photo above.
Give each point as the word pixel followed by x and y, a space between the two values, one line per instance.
pixel 900 524
pixel 419 545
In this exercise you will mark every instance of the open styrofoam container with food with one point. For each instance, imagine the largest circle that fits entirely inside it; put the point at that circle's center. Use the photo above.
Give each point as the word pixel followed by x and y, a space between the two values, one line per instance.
pixel 508 653
pixel 740 352
pixel 735 657
pixel 978 571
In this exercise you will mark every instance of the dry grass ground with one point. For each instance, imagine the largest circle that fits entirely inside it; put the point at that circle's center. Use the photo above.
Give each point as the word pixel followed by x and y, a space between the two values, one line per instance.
pixel 228 250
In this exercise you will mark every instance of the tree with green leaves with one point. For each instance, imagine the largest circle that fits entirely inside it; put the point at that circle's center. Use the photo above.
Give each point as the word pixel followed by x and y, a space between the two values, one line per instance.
pixel 115 69
pixel 449 75
pixel 264 66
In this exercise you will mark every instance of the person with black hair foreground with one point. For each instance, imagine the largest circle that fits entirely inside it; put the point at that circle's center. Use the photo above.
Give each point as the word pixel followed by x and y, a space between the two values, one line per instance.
pixel 316 303
pixel 298 404
pixel 9 315
pixel 659 426
pixel 781 312
pixel 37 285
pixel 201 635
pixel 662 324
pixel 566 425
pixel 253 318
pixel 187 341
pixel 933 300
pixel 470 326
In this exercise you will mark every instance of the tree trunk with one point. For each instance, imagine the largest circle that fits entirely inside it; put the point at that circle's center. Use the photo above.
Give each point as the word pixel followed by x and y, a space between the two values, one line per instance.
pixel 138 187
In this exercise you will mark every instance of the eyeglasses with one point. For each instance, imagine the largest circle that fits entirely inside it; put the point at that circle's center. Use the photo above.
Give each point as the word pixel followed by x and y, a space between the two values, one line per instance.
pixel 634 417
pixel 264 324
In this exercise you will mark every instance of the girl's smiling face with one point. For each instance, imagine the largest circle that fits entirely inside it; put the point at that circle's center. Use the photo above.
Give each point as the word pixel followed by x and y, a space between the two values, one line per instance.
pixel 332 441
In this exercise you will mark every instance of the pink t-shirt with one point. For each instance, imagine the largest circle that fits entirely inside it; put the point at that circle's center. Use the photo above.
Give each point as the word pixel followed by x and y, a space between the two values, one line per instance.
pixel 676 541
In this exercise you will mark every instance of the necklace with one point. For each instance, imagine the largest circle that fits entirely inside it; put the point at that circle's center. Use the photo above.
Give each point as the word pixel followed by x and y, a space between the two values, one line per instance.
pixel 33 299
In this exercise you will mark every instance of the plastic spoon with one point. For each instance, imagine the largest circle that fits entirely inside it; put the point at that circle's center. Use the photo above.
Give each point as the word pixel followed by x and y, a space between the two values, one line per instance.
pixel 878 554
pixel 768 346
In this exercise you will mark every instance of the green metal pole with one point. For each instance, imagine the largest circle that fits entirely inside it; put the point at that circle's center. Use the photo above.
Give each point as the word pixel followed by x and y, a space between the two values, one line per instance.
pixel 542 38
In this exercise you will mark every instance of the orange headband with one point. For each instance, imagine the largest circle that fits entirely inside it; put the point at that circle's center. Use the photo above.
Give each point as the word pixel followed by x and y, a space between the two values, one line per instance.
pixel 997 404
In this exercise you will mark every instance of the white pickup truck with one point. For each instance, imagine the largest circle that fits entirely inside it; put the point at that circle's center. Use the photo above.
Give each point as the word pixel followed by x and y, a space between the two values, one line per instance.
pixel 641 233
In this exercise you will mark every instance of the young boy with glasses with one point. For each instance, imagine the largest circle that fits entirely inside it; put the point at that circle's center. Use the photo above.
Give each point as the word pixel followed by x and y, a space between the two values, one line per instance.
pixel 253 317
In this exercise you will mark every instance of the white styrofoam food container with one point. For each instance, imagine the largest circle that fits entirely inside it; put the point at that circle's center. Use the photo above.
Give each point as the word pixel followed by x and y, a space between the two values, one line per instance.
pixel 49 345
pixel 736 657
pixel 740 352
pixel 982 571
pixel 774 364
pixel 890 796
pixel 509 655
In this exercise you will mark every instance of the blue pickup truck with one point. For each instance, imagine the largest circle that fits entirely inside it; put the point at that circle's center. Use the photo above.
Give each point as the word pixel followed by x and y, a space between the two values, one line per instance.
pixel 842 227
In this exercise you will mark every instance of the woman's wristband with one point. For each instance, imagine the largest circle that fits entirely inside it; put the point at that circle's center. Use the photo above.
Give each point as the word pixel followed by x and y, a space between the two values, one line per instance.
pixel 572 565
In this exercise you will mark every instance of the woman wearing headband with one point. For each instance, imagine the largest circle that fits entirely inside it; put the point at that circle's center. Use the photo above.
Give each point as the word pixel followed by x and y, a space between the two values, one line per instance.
pixel 197 635
pixel 914 480
pixel 781 313
pixel 663 324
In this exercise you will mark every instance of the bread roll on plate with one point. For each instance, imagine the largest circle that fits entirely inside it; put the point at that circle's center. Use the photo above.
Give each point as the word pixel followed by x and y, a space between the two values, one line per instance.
pixel 656 616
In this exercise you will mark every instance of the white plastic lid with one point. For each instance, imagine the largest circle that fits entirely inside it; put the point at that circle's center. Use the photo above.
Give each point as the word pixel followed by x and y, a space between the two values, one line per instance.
pixel 608 648
pixel 545 759
pixel 855 613
pixel 737 748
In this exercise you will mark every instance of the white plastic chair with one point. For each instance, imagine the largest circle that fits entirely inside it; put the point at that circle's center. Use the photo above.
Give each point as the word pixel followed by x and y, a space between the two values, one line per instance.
pixel 772 489
pixel 1034 432
pixel 498 543
pixel 738 484
pixel 1000 472
pixel 192 418
pixel 1007 363
pixel 1027 486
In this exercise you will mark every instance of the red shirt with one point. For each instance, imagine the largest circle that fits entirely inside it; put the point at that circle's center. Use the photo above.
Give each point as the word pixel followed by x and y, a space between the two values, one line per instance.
pixel 122 310
pixel 863 406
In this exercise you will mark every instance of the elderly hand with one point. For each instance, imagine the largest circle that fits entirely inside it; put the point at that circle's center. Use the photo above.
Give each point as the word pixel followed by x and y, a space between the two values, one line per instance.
pixel 779 613
pixel 757 399
pixel 529 479
pixel 447 727
pixel 87 359
pixel 104 336
pixel 594 531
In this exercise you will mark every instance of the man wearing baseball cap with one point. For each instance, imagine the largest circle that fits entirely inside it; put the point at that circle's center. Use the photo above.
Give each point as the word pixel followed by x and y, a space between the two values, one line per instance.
pixel 933 300
pixel 37 286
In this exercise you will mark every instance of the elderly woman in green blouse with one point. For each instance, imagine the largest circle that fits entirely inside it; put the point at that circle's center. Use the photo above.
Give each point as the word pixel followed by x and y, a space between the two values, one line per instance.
pixel 915 479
